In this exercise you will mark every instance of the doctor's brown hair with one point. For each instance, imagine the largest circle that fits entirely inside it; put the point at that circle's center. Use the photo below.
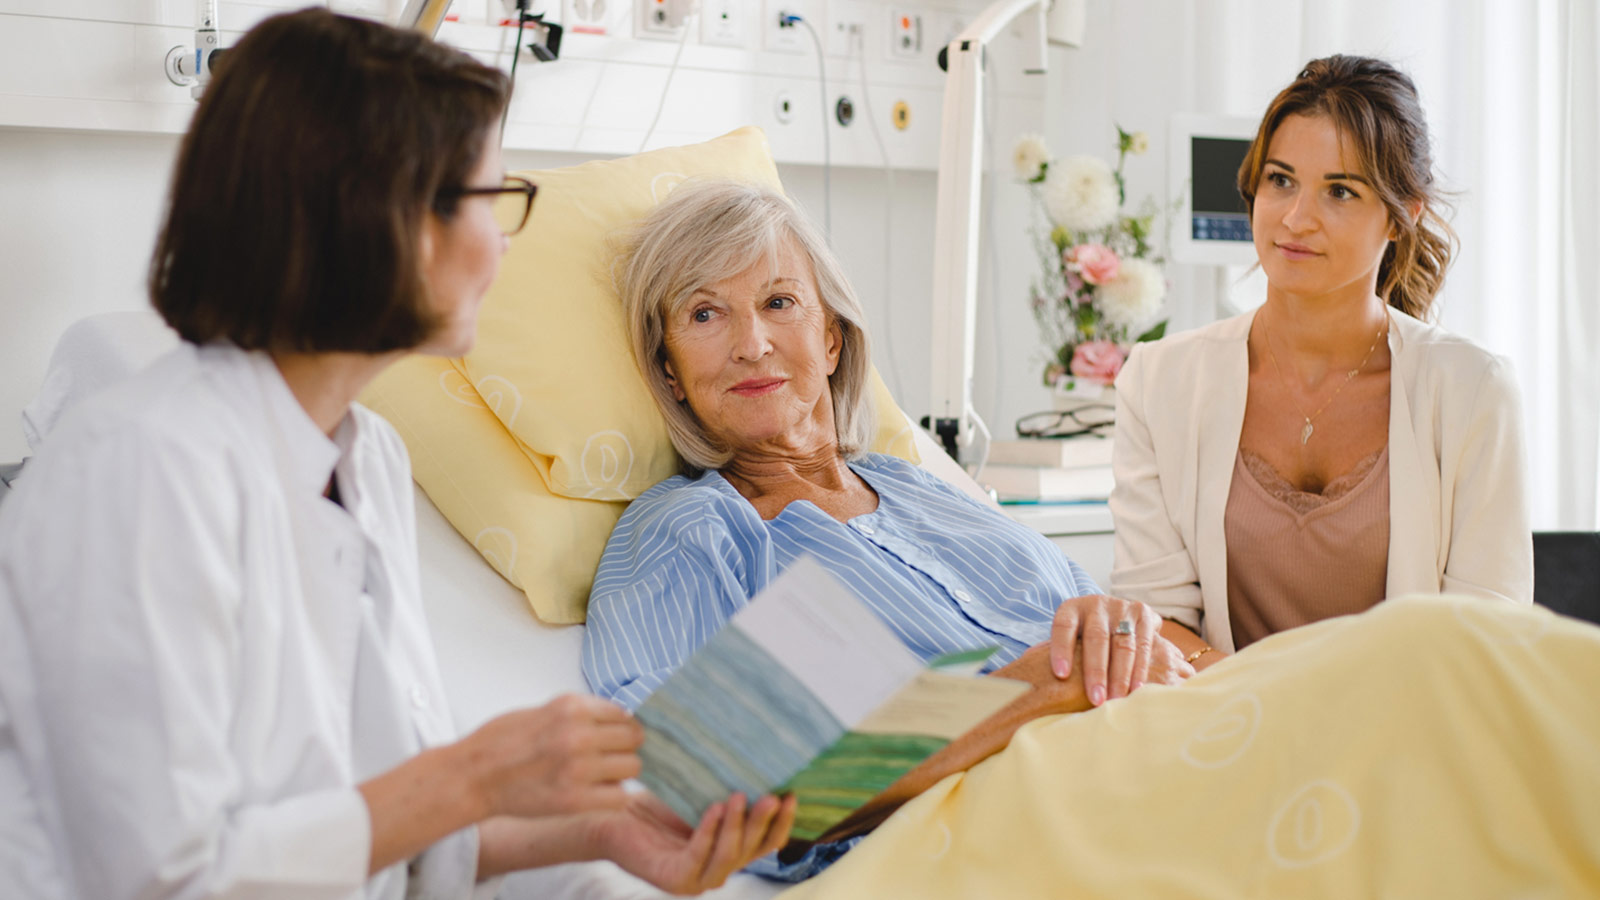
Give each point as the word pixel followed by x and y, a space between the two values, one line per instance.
pixel 300 190
pixel 1374 106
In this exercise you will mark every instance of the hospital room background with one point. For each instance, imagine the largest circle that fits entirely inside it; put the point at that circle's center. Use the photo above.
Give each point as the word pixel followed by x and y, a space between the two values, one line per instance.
pixel 89 124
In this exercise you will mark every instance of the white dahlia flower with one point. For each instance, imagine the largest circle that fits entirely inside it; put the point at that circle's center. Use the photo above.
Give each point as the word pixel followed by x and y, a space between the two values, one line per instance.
pixel 1081 193
pixel 1029 156
pixel 1133 297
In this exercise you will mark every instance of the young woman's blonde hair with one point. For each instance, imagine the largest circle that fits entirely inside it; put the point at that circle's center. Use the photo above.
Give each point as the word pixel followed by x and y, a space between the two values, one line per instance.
pixel 1374 106
pixel 705 232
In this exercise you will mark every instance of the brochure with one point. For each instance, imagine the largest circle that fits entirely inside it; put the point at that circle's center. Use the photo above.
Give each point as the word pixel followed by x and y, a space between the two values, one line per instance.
pixel 806 691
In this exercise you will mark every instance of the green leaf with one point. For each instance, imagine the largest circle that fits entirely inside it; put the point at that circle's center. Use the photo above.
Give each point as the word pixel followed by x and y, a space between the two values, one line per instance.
pixel 1154 334
pixel 1087 319
pixel 1061 238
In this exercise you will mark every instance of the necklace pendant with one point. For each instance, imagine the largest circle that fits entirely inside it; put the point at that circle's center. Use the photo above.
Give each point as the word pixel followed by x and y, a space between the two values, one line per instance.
pixel 1305 433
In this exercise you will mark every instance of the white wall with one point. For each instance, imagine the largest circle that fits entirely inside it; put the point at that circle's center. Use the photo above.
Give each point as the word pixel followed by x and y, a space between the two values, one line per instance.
pixel 85 153
pixel 80 211
pixel 76 224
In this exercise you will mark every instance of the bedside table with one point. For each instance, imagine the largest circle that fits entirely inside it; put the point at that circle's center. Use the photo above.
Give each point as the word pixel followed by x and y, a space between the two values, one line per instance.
pixel 1081 530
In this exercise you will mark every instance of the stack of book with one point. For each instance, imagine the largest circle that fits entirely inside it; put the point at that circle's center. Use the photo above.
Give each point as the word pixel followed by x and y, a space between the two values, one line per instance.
pixel 1050 470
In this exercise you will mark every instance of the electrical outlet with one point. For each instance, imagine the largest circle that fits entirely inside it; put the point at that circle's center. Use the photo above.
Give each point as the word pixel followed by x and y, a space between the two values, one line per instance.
pixel 585 16
pixel 658 19
pixel 900 115
pixel 723 23
pixel 905 34
pixel 847 25
pixel 780 38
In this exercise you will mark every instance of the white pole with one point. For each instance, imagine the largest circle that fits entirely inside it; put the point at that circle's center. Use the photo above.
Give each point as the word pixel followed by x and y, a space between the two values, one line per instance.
pixel 955 237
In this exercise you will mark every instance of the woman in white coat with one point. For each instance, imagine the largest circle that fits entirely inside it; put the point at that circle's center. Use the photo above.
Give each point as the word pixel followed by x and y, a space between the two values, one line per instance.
pixel 215 676
pixel 1331 448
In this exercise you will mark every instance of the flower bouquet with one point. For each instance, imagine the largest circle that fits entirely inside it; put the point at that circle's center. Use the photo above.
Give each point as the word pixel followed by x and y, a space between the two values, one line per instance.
pixel 1101 288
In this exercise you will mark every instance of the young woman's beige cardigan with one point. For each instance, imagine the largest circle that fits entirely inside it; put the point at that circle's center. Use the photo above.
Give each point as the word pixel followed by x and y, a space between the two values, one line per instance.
pixel 1458 511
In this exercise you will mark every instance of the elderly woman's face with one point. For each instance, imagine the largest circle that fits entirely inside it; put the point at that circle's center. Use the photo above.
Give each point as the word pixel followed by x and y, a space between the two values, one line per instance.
pixel 752 354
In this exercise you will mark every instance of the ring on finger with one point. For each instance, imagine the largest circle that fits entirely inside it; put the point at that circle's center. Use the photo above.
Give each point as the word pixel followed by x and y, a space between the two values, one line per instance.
pixel 1124 628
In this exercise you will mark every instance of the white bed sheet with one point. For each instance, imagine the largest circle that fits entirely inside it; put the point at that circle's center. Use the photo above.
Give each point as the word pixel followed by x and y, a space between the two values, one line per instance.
pixel 495 656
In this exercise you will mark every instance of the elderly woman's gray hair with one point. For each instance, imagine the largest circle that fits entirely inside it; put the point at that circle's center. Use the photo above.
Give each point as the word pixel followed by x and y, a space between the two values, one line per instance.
pixel 711 230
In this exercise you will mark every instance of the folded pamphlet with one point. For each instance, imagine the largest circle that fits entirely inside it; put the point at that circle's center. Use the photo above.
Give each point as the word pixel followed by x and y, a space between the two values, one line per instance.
pixel 806 691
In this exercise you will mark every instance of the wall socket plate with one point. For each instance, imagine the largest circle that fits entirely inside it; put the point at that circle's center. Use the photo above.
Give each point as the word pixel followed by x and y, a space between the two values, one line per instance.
pixel 661 20
pixel 847 28
pixel 905 33
pixel 587 16
pixel 724 23
pixel 792 39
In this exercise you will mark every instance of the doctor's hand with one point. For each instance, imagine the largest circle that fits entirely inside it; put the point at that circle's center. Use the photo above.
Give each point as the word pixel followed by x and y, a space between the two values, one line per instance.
pixel 1114 660
pixel 648 840
pixel 569 756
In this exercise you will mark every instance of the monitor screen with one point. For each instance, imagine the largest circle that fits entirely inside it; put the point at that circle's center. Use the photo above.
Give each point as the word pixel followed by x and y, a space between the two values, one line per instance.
pixel 1212 227
pixel 1217 211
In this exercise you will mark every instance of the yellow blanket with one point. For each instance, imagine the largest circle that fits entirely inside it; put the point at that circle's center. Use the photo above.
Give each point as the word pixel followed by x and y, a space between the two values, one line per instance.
pixel 1432 747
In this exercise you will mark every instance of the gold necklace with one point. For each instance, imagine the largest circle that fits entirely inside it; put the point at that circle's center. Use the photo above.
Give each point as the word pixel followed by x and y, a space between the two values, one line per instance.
pixel 1305 432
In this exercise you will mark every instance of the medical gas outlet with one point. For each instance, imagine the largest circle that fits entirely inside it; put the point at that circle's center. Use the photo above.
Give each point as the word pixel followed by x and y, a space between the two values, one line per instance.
pixel 192 67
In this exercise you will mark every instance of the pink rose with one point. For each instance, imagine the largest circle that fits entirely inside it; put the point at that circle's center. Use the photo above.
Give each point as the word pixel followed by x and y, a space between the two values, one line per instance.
pixel 1096 262
pixel 1097 361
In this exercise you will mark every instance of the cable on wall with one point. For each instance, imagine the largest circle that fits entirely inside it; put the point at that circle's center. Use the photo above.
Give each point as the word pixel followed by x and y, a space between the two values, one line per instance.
pixel 516 54
pixel 888 220
pixel 682 39
pixel 789 20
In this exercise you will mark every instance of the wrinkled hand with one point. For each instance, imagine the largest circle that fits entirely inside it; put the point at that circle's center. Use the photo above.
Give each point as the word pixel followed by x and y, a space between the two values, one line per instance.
pixel 569 756
pixel 1112 664
pixel 648 840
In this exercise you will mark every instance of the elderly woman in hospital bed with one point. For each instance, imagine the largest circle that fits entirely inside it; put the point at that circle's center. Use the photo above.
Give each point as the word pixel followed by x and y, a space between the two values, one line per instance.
pixel 754 346
pixel 215 676
pixel 1332 744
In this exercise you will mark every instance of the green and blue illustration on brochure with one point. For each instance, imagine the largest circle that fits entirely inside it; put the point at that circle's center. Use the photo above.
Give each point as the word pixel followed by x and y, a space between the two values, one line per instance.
pixel 805 690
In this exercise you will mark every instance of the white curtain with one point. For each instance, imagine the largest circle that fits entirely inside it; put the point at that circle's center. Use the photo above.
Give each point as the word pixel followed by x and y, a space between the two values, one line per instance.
pixel 1512 93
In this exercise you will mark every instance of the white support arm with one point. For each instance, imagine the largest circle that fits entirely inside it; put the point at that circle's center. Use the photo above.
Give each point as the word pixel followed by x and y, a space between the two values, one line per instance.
pixel 955 239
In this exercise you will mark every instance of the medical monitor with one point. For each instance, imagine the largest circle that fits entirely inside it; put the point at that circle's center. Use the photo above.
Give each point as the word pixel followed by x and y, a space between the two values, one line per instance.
pixel 1211 226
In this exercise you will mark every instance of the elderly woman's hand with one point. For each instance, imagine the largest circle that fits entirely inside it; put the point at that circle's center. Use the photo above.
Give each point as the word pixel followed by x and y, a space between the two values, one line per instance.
pixel 1116 642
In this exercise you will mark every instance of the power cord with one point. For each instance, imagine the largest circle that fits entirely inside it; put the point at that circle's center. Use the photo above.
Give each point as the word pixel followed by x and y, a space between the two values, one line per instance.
pixel 661 107
pixel 546 46
pixel 789 20
pixel 888 220
pixel 516 54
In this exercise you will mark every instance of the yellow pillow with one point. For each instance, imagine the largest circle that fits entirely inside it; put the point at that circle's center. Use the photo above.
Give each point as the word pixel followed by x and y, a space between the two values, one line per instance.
pixel 534 442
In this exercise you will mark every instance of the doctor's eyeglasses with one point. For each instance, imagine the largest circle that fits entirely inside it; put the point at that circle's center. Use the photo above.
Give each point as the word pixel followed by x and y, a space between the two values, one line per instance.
pixel 1094 419
pixel 512 203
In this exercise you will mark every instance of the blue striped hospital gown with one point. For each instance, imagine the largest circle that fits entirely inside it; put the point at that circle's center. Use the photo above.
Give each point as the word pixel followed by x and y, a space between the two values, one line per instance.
pixel 943 571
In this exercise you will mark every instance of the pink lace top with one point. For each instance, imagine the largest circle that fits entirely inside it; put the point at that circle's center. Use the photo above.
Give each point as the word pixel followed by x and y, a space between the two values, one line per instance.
pixel 1296 557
